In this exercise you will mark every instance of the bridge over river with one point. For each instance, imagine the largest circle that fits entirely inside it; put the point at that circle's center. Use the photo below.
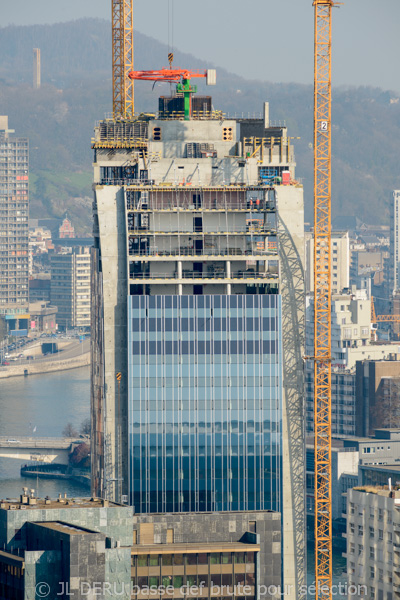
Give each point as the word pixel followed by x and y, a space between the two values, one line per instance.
pixel 45 450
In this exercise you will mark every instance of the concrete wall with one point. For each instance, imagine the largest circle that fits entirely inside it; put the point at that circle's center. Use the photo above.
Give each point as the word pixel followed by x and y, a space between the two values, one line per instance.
pixel 290 204
pixel 46 366
pixel 112 257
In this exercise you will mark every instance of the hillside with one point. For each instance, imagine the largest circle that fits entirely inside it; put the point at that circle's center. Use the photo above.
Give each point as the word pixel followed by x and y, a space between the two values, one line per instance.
pixel 76 92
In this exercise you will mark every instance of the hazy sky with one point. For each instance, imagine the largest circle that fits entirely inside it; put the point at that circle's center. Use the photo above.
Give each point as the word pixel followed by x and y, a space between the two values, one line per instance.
pixel 265 39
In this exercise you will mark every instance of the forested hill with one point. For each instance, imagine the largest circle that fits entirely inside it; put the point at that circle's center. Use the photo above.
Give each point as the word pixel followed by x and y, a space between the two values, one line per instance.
pixel 76 92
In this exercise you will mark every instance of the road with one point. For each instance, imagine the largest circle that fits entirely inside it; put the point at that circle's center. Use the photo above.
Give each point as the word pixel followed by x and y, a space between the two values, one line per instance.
pixel 75 348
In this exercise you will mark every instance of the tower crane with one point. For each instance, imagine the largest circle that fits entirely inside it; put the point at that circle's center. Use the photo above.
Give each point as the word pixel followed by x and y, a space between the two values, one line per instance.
pixel 322 297
pixel 122 58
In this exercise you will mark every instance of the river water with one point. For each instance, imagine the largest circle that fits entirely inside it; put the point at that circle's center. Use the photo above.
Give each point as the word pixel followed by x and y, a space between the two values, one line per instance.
pixel 41 405
pixel 48 402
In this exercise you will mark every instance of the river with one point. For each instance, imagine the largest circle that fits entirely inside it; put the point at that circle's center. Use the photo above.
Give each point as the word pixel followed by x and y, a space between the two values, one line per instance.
pixel 41 405
pixel 48 402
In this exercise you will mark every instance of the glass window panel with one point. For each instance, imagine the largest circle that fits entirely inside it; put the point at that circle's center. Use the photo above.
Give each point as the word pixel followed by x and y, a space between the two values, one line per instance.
pixel 191 580
pixel 177 581
pixel 239 557
pixel 215 558
pixel 142 560
pixel 203 559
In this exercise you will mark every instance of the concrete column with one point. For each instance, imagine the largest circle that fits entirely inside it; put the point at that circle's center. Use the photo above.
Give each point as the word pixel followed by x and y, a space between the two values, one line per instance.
pixel 228 276
pixel 180 289
pixel 179 269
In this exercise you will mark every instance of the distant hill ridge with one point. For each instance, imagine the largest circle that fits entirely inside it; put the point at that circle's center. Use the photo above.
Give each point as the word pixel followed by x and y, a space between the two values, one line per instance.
pixel 76 92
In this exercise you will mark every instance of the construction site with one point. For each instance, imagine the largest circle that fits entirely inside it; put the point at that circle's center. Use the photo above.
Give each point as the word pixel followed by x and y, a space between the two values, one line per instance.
pixel 198 307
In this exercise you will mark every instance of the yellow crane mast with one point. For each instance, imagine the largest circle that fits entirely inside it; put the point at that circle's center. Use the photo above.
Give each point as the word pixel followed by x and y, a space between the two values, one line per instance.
pixel 122 57
pixel 322 298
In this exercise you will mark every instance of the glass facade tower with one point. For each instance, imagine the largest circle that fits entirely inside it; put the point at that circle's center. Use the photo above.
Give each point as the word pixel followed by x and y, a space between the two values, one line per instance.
pixel 198 318
pixel 205 415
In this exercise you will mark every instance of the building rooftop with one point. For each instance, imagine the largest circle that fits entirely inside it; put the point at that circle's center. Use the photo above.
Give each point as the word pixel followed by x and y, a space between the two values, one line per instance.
pixel 391 468
pixel 65 528
pixel 26 503
pixel 380 491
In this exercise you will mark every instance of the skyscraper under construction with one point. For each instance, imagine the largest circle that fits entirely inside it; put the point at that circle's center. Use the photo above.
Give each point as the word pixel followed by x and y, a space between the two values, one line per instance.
pixel 198 316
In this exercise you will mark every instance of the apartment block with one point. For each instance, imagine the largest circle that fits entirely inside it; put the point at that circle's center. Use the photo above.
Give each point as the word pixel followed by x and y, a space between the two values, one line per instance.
pixel 373 542
pixel 14 229
pixel 70 287
pixel 340 247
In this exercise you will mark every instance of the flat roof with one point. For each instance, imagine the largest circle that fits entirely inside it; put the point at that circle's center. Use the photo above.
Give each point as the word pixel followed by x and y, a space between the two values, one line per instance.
pixel 194 548
pixel 65 527
pixel 381 467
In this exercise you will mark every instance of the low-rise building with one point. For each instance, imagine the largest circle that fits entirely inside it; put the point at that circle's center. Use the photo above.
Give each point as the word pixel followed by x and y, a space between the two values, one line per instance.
pixel 43 317
pixel 63 548
pixel 93 548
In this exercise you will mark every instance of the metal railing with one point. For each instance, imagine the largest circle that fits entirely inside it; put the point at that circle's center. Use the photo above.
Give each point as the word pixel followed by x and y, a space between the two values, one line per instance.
pixel 205 252
pixel 205 275
pixel 250 229
pixel 125 181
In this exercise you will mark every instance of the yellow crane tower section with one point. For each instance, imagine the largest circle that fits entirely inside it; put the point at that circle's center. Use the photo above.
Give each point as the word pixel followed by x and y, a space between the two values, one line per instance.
pixel 322 298
pixel 122 57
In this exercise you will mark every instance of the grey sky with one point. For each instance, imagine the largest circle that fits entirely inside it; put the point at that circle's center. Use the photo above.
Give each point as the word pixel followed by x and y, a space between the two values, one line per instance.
pixel 264 39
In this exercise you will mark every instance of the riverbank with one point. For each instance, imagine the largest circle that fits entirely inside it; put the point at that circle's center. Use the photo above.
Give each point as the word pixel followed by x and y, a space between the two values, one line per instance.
pixel 56 471
pixel 44 366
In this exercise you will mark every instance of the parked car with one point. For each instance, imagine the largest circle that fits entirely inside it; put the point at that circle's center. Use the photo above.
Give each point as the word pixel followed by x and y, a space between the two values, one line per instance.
pixel 5 363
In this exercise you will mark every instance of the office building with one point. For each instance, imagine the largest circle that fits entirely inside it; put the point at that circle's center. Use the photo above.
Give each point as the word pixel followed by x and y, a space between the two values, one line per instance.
pixel 217 551
pixel 14 234
pixel 70 287
pixel 197 377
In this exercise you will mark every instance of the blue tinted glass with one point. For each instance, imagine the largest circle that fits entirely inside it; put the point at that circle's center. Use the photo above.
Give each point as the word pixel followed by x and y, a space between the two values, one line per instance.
pixel 205 402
